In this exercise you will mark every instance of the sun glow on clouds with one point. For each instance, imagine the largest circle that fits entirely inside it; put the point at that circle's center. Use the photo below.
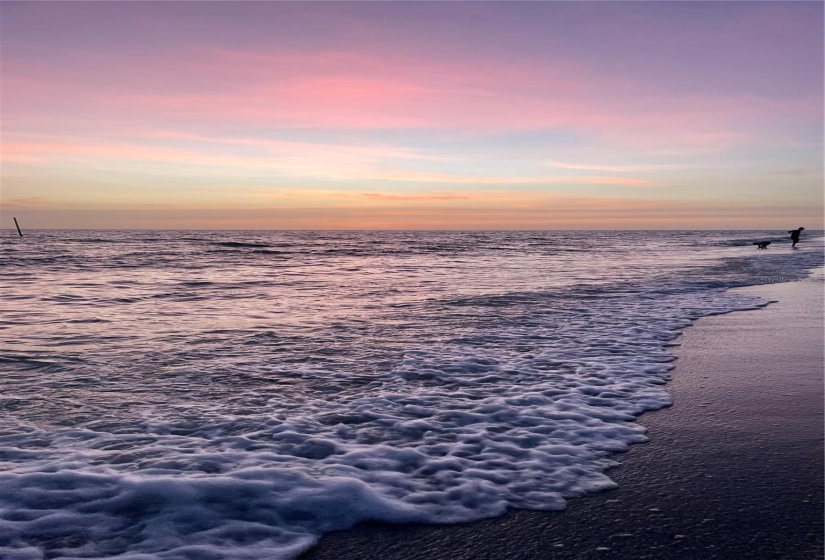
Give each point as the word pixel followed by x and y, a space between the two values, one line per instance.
pixel 385 108
pixel 325 162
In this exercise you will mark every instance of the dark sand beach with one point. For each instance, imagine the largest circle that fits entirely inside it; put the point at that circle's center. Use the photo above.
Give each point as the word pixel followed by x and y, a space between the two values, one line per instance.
pixel 733 470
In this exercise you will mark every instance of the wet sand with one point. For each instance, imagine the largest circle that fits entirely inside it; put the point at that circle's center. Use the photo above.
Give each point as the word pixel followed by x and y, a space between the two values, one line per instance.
pixel 733 470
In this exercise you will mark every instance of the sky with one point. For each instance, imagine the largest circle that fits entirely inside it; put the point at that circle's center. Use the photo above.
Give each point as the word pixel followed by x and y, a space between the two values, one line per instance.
pixel 412 115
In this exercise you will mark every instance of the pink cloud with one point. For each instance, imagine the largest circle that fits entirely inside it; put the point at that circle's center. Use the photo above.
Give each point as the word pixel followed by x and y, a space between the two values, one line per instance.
pixel 315 149
pixel 27 202
pixel 415 197
pixel 378 91
pixel 387 90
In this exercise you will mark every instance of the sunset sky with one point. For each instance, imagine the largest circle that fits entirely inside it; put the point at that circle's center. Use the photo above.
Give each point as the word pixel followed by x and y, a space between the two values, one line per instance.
pixel 412 115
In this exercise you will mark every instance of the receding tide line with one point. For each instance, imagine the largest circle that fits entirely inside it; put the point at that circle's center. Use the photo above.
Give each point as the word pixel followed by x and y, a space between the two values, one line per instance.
pixel 18 227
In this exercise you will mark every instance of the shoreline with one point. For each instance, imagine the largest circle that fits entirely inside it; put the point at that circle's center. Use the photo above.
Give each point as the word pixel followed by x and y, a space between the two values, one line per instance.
pixel 734 469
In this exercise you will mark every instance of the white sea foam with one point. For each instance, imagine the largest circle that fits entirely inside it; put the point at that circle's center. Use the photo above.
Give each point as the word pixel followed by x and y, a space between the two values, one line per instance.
pixel 446 437
pixel 523 412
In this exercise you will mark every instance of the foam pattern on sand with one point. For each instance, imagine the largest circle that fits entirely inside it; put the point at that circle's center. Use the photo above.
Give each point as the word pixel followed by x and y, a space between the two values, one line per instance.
pixel 521 411
pixel 445 437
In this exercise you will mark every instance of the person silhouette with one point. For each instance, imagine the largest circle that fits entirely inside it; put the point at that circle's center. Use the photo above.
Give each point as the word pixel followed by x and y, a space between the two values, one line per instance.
pixel 795 236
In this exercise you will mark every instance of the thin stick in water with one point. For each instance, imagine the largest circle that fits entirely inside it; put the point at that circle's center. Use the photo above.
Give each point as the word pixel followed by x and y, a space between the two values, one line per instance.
pixel 18 227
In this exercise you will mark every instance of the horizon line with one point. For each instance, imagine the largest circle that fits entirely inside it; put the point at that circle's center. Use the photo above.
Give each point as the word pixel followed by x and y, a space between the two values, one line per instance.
pixel 409 230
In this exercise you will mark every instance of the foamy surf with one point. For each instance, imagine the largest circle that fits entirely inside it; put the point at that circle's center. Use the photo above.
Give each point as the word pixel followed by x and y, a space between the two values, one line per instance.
pixel 381 389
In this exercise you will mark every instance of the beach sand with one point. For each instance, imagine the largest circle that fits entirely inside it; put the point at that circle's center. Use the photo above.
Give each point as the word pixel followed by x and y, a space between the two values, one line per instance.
pixel 733 470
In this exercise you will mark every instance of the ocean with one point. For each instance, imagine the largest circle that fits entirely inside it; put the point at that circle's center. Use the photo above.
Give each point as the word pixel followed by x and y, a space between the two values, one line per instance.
pixel 234 395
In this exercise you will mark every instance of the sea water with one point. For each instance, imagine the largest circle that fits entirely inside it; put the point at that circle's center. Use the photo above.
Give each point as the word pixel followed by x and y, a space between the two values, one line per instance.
pixel 200 395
